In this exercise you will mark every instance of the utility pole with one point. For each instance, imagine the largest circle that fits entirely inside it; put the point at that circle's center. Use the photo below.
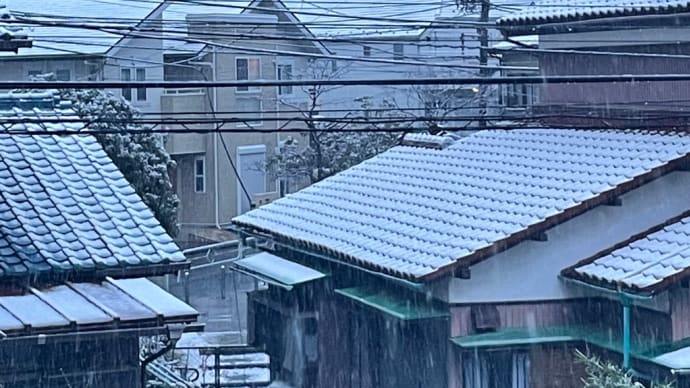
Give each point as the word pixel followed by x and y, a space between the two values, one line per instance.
pixel 483 59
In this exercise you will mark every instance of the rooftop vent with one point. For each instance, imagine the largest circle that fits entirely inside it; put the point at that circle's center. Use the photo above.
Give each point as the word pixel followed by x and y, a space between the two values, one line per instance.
pixel 427 141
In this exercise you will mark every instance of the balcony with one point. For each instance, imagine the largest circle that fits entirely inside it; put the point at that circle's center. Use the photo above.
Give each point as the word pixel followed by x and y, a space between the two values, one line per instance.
pixel 174 104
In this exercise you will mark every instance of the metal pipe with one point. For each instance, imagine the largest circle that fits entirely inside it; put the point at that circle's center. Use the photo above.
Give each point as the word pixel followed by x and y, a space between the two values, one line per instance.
pixel 626 335
pixel 151 358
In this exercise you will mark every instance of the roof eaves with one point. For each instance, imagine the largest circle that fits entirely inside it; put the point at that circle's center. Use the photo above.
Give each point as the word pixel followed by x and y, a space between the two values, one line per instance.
pixel 656 288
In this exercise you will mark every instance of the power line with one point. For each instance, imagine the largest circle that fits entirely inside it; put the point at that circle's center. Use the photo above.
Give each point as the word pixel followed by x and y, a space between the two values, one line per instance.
pixel 517 80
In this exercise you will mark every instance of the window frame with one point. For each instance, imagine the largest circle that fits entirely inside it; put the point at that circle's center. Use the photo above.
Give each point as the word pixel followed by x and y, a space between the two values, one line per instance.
pixel 366 51
pixel 141 93
pixel 285 90
pixel 398 51
pixel 201 176
pixel 126 92
pixel 247 89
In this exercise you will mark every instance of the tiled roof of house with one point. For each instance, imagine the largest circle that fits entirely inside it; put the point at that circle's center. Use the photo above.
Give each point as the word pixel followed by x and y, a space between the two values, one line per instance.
pixel 413 212
pixel 58 39
pixel 65 207
pixel 647 262
pixel 553 11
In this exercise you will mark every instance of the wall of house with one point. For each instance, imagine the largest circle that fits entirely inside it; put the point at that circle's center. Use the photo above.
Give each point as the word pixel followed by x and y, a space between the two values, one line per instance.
pixel 81 68
pixel 680 311
pixel 94 362
pixel 530 270
pixel 609 98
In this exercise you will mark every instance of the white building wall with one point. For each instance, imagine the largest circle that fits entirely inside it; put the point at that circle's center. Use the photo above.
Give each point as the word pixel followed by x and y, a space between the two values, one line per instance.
pixel 530 271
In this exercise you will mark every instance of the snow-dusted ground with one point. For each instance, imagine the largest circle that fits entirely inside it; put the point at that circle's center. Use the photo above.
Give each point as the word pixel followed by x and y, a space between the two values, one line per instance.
pixel 251 367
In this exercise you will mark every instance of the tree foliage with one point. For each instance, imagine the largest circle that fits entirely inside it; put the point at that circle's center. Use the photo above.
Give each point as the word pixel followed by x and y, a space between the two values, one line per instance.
pixel 139 155
pixel 604 374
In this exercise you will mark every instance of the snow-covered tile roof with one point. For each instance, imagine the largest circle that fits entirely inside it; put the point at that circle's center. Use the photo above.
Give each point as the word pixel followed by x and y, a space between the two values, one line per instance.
pixel 645 263
pixel 555 10
pixel 412 211
pixel 61 40
pixel 64 205
pixel 90 306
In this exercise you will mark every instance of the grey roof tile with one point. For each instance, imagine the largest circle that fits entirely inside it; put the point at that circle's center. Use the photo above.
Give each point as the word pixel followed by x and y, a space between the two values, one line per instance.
pixel 556 10
pixel 65 207
pixel 414 210
pixel 642 264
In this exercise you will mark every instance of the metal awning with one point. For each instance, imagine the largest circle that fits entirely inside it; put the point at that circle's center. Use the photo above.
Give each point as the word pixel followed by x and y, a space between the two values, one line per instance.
pixel 393 303
pixel 109 304
pixel 276 270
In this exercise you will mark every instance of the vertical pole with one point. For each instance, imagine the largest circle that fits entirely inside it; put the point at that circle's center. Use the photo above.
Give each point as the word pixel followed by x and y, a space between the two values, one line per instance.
pixel 222 281
pixel 186 287
pixel 626 335
pixel 483 59
pixel 216 366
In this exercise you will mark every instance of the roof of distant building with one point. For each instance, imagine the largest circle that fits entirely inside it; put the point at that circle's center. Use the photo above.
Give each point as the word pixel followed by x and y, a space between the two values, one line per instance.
pixel 414 211
pixel 65 207
pixel 554 11
pixel 56 27
pixel 648 262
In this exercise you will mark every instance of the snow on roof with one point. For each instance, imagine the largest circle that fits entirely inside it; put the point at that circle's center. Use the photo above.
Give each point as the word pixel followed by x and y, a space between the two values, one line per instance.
pixel 558 11
pixel 646 263
pixel 64 205
pixel 517 42
pixel 338 19
pixel 677 359
pixel 58 40
pixel 88 306
pixel 413 211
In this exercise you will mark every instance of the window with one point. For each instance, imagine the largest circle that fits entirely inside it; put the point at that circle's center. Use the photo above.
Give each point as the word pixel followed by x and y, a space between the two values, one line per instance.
pixel 398 51
pixel 63 75
pixel 141 92
pixel 200 175
pixel 334 65
pixel 126 75
pixel 284 74
pixel 139 75
pixel 499 369
pixel 247 69
pixel 251 111
pixel 517 96
pixel 366 51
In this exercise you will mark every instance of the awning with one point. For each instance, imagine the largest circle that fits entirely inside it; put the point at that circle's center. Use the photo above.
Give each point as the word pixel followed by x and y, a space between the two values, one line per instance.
pixel 517 337
pixel 276 270
pixel 396 304
pixel 109 304
pixel 642 349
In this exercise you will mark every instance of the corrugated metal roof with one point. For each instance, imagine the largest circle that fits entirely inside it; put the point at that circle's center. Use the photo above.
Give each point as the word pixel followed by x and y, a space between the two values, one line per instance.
pixel 558 11
pixel 65 207
pixel 110 303
pixel 644 263
pixel 413 211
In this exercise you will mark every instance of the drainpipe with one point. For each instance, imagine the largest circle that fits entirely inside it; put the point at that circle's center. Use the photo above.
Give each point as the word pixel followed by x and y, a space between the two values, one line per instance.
pixel 214 108
pixel 626 331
